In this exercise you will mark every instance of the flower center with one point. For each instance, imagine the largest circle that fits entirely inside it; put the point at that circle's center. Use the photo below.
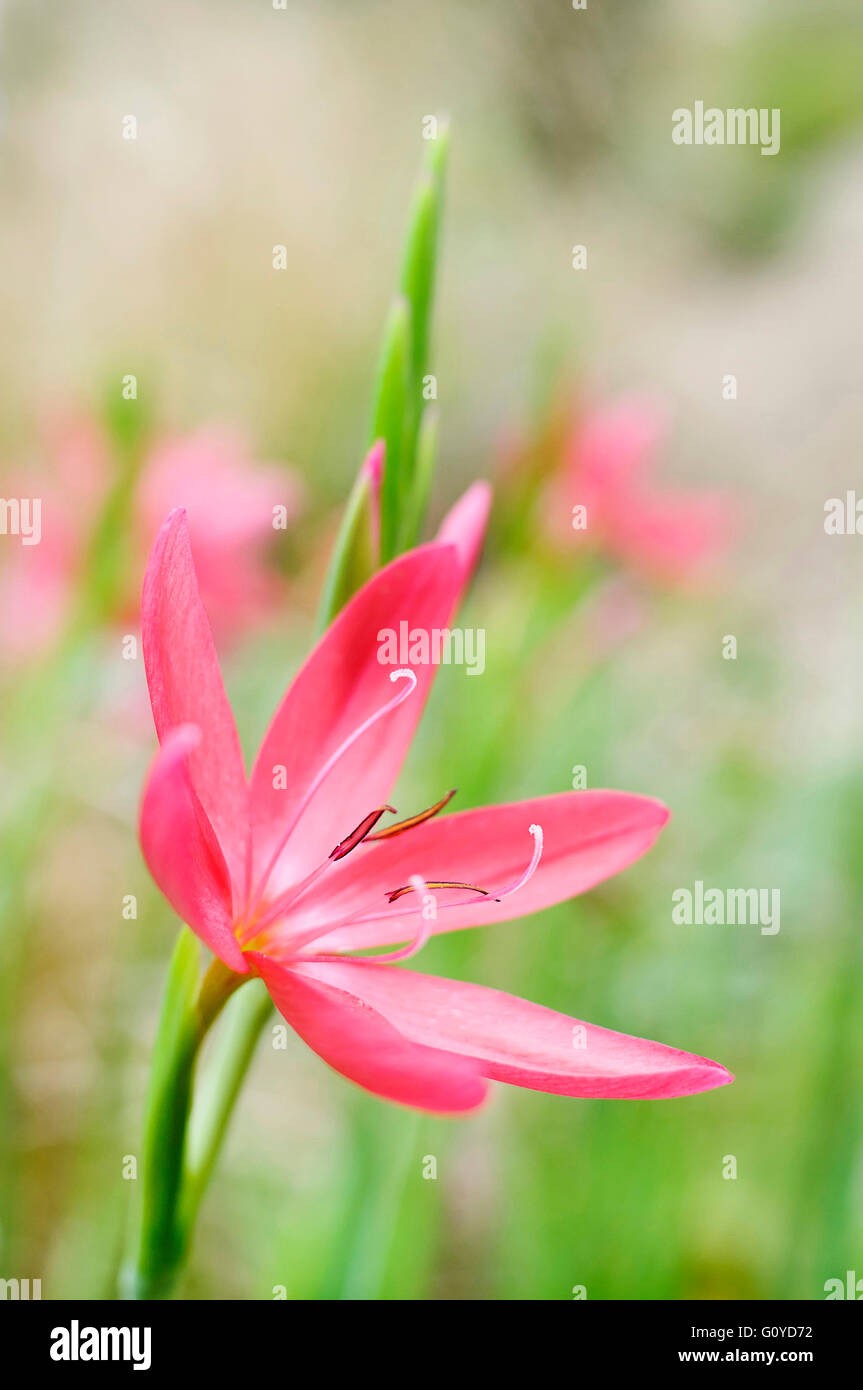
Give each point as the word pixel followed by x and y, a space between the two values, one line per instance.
pixel 254 897
pixel 417 884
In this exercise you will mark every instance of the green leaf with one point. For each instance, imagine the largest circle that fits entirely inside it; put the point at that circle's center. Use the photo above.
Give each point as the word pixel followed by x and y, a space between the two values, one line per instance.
pixel 417 282
pixel 419 266
pixel 426 458
pixel 108 553
pixel 388 422
pixel 419 270
pixel 356 553
pixel 362 545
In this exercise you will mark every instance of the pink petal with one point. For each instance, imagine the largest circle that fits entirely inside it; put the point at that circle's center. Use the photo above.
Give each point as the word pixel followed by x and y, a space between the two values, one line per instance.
pixel 465 526
pixel 666 535
pixel 228 495
pixel 340 686
pixel 37 584
pixel 515 1041
pixel 372 471
pixel 673 537
pixel 605 467
pixel 373 465
pixel 612 447
pixel 182 851
pixel 358 1041
pixel 81 465
pixel 186 687
pixel 588 836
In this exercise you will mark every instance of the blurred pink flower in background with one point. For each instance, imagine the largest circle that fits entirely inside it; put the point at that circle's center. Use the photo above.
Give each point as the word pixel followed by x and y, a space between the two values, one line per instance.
pixel 36 583
pixel 667 536
pixel 229 499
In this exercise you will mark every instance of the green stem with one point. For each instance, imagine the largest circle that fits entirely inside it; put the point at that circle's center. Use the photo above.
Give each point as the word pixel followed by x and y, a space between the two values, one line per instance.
pixel 186 1017
pixel 219 1089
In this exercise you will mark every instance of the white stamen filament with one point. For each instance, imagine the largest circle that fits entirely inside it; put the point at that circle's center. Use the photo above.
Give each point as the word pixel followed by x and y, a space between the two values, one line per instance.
pixel 306 938
pixel 536 832
pixel 324 772
pixel 413 947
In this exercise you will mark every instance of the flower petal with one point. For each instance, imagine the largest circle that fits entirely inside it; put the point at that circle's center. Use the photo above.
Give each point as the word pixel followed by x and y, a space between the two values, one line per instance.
pixel 588 836
pixel 464 526
pixel 515 1041
pixel 613 447
pixel 672 536
pixel 357 1041
pixel 186 687
pixel 181 848
pixel 342 684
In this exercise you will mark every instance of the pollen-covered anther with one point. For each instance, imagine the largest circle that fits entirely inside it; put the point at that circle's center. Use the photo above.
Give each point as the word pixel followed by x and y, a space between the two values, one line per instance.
pixel 401 826
pixel 394 894
pixel 361 832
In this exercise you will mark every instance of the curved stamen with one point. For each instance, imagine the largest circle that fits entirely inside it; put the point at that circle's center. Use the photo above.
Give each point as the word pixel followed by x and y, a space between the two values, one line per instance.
pixel 297 890
pixel 292 944
pixel 419 885
pixel 308 937
pixel 536 832
pixel 402 825
pixel 324 772
pixel 395 893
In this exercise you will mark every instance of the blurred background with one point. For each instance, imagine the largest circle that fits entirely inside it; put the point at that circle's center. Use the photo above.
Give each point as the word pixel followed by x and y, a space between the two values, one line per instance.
pixel 152 258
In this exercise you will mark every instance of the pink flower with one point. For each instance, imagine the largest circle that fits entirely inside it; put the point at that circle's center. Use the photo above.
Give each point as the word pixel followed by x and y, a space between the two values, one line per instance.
pixel 37 583
pixel 230 501
pixel 287 872
pixel 668 536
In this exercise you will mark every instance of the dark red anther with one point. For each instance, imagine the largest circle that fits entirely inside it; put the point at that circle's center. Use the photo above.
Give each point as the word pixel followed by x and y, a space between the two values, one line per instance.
pixel 357 836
